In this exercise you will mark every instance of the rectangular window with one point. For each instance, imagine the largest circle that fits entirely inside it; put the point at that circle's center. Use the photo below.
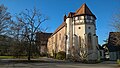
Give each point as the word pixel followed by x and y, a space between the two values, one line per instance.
pixel 59 36
pixel 81 17
pixel 89 17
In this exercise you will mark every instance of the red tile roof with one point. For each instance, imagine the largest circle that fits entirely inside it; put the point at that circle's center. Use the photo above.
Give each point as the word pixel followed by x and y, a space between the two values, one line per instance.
pixel 114 41
pixel 83 10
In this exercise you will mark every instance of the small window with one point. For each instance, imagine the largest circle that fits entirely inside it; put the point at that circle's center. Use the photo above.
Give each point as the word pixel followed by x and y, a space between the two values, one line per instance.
pixel 88 27
pixel 81 17
pixel 92 18
pixel 89 41
pixel 76 18
pixel 59 36
pixel 94 34
pixel 89 17
pixel 79 27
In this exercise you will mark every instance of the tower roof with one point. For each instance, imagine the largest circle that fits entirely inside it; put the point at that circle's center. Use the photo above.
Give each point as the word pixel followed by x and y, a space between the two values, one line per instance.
pixel 84 10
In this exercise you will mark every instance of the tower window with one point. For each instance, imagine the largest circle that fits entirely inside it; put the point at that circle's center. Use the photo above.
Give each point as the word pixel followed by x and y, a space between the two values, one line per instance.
pixel 88 27
pixel 79 27
pixel 89 17
pixel 87 21
pixel 89 41
pixel 81 17
pixel 76 18
pixel 80 41
pixel 92 18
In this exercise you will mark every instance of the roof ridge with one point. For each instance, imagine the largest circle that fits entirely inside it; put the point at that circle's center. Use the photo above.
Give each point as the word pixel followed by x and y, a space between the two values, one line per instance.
pixel 78 9
pixel 84 10
pixel 57 29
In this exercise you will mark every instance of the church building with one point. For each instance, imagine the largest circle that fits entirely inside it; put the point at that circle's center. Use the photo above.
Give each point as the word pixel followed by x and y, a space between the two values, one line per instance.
pixel 76 36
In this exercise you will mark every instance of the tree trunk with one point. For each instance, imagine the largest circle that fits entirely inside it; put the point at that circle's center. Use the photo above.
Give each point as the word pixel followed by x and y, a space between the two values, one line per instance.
pixel 29 53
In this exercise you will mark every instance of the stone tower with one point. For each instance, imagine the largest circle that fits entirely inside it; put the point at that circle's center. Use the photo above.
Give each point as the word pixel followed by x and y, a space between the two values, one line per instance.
pixel 81 34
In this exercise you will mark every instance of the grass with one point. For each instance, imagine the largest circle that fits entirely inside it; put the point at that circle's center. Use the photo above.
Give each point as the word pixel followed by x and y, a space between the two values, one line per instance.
pixel 6 57
pixel 118 61
pixel 20 57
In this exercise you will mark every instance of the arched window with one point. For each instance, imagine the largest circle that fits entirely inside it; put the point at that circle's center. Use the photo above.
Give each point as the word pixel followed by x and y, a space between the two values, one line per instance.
pixel 60 36
pixel 89 41
pixel 80 41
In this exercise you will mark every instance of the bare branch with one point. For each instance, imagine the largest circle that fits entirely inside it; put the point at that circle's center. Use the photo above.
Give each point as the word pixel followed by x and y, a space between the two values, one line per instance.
pixel 27 25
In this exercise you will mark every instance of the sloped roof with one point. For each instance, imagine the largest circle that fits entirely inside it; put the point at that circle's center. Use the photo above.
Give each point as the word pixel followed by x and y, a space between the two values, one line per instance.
pixel 113 41
pixel 44 33
pixel 83 10
pixel 71 14
pixel 59 28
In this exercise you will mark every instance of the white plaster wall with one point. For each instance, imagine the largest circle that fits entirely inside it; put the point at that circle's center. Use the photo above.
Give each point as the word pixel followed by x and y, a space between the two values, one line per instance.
pixel 80 32
pixel 68 33
pixel 83 31
pixel 91 30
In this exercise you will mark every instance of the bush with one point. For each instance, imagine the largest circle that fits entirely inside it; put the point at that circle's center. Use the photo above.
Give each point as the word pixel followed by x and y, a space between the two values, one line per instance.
pixel 61 55
pixel 43 54
pixel 91 61
pixel 49 56
pixel 54 55
pixel 118 61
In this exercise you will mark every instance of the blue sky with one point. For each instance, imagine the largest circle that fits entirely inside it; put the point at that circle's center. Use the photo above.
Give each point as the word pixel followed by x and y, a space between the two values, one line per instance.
pixel 55 10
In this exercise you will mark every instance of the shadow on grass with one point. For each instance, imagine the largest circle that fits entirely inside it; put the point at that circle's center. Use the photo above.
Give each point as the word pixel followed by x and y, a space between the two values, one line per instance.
pixel 10 61
pixel 44 61
pixel 35 61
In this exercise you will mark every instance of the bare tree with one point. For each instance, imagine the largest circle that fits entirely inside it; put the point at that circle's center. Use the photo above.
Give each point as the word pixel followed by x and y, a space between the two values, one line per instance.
pixel 116 25
pixel 116 22
pixel 5 18
pixel 114 38
pixel 83 51
pixel 28 23
pixel 17 48
pixel 80 52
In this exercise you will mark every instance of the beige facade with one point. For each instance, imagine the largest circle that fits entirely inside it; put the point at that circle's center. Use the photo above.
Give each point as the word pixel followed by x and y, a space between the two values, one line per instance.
pixel 57 41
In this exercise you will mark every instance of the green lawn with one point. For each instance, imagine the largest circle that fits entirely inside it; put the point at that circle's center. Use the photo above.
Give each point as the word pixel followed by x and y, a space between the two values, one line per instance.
pixel 11 57
pixel 6 57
